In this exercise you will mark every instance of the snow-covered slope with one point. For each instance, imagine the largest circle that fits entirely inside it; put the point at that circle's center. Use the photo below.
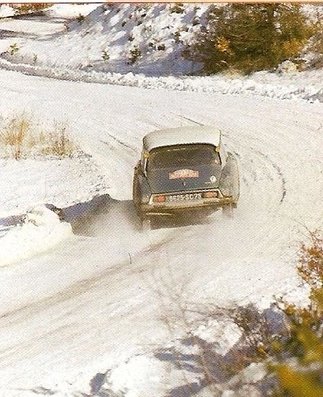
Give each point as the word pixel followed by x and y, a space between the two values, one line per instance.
pixel 122 38
pixel 105 39
pixel 45 48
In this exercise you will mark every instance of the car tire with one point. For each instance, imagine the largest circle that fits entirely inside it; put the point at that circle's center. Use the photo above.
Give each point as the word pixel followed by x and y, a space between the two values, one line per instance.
pixel 146 224
pixel 227 211
pixel 136 197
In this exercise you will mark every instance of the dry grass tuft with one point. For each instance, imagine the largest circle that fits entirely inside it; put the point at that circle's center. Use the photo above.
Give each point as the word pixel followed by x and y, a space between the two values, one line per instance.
pixel 20 138
pixel 57 143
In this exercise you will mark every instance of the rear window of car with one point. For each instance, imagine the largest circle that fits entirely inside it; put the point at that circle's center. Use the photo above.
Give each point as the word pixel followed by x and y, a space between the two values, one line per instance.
pixel 182 156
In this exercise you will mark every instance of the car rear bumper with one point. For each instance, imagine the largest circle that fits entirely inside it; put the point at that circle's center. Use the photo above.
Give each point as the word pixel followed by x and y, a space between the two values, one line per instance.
pixel 180 207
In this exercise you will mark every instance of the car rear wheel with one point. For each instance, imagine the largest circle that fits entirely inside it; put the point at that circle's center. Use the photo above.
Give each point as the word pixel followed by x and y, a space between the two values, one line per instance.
pixel 146 224
pixel 227 211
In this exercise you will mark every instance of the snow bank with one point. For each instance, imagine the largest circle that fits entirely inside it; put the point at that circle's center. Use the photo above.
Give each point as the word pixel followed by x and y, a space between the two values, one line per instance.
pixel 224 334
pixel 40 230
pixel 70 10
pixel 6 11
pixel 56 10
pixel 140 376
pixel 300 85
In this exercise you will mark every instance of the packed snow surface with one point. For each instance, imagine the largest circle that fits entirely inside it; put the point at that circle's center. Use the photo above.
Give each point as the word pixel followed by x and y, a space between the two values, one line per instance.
pixel 98 312
pixel 112 275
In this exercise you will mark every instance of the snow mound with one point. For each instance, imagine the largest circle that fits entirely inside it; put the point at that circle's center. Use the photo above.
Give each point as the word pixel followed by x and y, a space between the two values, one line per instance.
pixel 72 10
pixel 40 230
pixel 223 333
pixel 6 11
pixel 140 376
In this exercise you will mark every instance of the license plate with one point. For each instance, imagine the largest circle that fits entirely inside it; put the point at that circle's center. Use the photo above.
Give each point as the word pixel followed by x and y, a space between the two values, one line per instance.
pixel 184 197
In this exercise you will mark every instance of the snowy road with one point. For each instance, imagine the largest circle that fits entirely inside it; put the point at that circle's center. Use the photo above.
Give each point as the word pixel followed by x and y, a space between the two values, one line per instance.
pixel 98 300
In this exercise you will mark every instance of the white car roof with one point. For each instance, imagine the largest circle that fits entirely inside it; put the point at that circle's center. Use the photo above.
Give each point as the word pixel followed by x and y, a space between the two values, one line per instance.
pixel 181 136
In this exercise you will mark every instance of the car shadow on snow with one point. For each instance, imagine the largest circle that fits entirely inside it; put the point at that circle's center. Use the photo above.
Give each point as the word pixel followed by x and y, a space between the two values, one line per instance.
pixel 103 210
pixel 179 221
pixel 109 214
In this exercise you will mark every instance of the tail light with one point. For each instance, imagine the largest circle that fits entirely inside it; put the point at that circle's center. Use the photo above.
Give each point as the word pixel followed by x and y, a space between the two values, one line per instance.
pixel 159 199
pixel 210 194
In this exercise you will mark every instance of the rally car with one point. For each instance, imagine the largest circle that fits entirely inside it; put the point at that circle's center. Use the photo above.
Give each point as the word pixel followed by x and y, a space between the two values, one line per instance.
pixel 183 171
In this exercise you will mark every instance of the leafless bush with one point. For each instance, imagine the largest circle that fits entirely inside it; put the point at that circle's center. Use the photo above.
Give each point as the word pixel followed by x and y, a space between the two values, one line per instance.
pixel 177 8
pixel 15 134
pixel 58 143
pixel 13 49
pixel 20 137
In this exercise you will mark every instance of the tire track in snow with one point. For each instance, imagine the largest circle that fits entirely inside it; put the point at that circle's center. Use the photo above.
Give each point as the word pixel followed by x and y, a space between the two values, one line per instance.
pixel 119 142
pixel 278 171
pixel 271 162
pixel 82 286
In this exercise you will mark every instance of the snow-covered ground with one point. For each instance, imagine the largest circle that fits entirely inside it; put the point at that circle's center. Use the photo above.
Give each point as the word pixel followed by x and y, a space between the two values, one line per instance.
pixel 98 313
pixel 79 326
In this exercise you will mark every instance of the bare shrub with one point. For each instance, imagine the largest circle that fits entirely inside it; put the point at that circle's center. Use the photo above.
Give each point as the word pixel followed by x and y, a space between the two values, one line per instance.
pixel 105 55
pixel 58 143
pixel 177 36
pixel 21 138
pixel 28 8
pixel 14 135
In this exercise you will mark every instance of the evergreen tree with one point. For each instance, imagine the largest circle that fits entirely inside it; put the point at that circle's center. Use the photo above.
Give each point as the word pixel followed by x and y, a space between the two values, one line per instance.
pixel 250 37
